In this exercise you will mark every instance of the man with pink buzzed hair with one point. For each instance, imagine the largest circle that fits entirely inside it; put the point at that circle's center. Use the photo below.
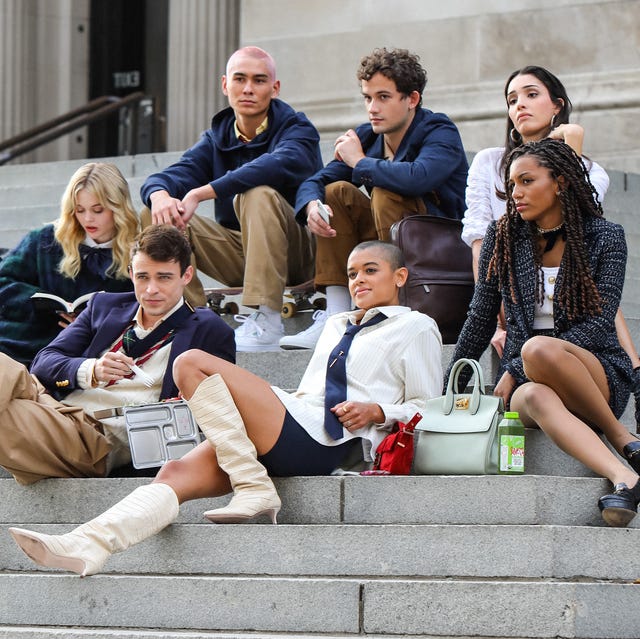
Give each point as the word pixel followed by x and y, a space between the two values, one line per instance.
pixel 251 162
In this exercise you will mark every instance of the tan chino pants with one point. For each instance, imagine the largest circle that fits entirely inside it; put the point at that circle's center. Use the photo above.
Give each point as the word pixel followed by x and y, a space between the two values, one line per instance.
pixel 269 252
pixel 357 218
pixel 40 437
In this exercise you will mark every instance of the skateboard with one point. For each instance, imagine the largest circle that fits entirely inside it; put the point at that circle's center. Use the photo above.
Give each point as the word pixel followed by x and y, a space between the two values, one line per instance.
pixel 215 300
pixel 301 295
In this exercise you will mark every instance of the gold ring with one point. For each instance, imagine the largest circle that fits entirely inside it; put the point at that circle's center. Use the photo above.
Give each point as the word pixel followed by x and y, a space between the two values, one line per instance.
pixel 348 424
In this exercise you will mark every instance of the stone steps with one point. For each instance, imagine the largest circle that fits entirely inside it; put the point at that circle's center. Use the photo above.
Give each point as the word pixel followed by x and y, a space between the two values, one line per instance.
pixel 489 556
pixel 535 500
pixel 357 607
pixel 39 632
pixel 415 556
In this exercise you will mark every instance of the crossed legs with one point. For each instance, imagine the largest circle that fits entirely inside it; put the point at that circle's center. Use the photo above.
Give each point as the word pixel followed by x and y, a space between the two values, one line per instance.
pixel 568 390
pixel 198 474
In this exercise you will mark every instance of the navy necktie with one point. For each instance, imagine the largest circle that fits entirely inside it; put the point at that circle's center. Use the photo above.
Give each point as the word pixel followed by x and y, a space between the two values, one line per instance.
pixel 336 382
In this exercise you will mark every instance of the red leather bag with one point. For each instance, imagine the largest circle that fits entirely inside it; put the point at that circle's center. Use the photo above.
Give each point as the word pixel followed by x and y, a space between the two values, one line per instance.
pixel 394 455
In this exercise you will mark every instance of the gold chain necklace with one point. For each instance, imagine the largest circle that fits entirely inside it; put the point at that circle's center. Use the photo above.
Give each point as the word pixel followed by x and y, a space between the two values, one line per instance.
pixel 542 231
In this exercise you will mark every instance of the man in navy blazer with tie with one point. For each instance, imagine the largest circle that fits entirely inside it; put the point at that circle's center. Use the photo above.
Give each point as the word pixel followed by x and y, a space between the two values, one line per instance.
pixel 47 419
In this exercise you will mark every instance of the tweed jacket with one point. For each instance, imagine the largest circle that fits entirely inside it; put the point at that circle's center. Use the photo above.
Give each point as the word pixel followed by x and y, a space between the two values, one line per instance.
pixel 103 321
pixel 607 250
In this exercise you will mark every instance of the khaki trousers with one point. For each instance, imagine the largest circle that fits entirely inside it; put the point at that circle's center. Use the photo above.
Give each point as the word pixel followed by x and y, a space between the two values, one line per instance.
pixel 40 437
pixel 356 218
pixel 269 252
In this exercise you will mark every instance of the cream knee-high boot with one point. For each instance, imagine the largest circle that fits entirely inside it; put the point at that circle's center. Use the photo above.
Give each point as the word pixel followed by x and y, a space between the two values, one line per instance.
pixel 84 550
pixel 253 491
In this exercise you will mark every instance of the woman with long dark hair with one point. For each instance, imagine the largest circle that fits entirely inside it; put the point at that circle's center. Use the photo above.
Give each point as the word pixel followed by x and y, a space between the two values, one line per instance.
pixel 558 268
pixel 537 107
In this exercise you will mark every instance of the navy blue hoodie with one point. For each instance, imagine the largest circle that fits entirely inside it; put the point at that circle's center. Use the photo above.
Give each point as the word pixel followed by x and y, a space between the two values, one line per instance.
pixel 429 163
pixel 281 157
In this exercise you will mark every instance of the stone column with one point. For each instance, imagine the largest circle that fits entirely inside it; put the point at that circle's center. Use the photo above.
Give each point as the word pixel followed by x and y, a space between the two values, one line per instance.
pixel 202 35
pixel 17 33
pixel 43 69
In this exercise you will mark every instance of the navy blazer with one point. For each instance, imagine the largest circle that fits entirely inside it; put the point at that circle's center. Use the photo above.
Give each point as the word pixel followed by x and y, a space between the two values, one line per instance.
pixel 103 321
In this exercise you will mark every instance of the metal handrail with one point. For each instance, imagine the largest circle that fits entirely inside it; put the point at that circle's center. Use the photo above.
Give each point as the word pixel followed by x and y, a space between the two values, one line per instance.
pixel 97 109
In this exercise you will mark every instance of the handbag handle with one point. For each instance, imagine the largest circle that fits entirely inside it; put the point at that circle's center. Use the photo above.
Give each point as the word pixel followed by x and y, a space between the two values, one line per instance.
pixel 478 388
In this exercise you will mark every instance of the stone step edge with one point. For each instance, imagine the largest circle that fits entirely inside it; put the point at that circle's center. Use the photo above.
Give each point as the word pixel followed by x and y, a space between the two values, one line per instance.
pixel 72 632
pixel 383 607
pixel 461 580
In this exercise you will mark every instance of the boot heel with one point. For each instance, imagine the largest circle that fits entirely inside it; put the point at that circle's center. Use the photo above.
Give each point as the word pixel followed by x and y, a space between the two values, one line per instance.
pixel 230 516
pixel 243 508
pixel 219 419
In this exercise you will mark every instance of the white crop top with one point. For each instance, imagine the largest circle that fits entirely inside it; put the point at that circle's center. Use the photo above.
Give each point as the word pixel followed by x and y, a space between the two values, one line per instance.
pixel 543 316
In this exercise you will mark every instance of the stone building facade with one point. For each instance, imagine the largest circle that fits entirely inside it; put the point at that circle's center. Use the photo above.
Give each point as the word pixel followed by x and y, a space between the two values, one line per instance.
pixel 468 48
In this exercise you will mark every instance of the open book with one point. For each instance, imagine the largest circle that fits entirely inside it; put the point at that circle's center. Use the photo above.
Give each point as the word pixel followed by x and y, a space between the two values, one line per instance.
pixel 50 302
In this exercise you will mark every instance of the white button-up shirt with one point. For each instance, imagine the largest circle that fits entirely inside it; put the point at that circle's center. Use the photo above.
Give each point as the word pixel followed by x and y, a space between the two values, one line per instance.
pixel 396 364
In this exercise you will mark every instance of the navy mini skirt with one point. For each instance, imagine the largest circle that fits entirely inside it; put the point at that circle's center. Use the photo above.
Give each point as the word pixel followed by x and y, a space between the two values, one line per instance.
pixel 297 453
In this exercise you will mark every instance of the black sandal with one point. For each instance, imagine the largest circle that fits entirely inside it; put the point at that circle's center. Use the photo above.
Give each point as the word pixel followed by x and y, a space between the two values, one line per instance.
pixel 621 506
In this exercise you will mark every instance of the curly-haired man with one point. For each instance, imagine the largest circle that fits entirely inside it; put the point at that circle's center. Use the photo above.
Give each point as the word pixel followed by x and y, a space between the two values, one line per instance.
pixel 409 159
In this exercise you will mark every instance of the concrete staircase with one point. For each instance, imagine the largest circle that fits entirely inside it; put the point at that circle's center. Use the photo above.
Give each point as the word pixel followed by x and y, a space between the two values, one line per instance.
pixel 352 556
pixel 489 556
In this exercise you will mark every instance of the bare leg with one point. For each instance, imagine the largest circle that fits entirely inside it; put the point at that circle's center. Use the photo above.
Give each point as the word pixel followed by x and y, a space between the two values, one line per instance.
pixel 260 408
pixel 578 379
pixel 241 418
pixel 152 507
pixel 539 404
pixel 196 475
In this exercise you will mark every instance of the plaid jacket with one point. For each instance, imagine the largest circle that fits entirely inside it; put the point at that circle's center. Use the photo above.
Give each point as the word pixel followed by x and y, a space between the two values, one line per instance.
pixel 31 267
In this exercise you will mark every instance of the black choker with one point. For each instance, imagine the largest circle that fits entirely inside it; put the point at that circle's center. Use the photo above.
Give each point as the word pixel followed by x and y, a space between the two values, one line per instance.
pixel 551 235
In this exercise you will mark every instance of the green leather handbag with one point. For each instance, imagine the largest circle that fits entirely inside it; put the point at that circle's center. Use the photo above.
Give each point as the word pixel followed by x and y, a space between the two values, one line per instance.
pixel 458 434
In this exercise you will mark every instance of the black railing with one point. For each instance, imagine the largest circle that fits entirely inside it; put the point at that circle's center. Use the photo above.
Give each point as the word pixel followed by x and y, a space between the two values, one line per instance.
pixel 93 111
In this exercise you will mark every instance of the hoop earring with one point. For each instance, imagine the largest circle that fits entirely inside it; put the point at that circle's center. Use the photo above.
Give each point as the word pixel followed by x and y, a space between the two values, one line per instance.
pixel 516 138
pixel 553 121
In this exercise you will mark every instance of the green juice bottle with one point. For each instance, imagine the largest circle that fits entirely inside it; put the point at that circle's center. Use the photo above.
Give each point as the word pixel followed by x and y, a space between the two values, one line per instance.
pixel 511 444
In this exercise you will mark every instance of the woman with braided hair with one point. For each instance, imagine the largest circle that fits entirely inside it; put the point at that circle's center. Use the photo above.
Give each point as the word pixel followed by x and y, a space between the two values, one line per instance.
pixel 537 107
pixel 558 267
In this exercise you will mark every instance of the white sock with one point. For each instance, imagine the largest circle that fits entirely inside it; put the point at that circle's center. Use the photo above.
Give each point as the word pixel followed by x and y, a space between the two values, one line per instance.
pixel 338 299
pixel 273 317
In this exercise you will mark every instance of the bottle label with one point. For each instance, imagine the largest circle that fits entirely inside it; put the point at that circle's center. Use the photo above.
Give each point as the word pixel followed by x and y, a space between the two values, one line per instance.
pixel 512 453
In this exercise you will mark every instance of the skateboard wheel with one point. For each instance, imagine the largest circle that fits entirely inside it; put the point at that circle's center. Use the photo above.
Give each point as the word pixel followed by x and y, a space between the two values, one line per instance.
pixel 320 304
pixel 288 309
pixel 230 308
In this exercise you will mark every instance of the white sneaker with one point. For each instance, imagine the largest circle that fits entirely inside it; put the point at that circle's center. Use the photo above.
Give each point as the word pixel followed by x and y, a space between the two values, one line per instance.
pixel 309 337
pixel 255 333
